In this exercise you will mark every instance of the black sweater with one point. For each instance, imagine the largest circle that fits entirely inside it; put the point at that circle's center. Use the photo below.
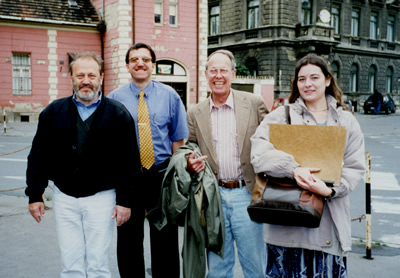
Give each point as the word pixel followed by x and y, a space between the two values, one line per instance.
pixel 109 160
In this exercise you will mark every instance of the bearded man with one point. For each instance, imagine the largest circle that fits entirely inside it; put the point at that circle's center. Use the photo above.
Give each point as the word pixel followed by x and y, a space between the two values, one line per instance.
pixel 86 145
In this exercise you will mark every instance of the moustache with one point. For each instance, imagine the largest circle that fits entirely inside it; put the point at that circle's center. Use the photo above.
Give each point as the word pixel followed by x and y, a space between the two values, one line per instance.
pixel 86 86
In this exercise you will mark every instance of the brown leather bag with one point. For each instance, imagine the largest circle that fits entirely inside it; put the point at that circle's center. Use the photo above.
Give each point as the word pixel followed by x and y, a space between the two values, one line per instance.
pixel 281 201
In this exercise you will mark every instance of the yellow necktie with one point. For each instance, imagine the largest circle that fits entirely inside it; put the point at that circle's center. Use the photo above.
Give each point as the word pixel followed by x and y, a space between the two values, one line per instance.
pixel 145 138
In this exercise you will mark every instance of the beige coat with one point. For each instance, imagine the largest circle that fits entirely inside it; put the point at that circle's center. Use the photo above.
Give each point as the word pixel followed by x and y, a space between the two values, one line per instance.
pixel 265 158
pixel 249 111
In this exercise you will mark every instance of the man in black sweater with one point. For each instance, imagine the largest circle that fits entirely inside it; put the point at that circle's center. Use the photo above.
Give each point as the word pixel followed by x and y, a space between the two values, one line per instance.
pixel 85 144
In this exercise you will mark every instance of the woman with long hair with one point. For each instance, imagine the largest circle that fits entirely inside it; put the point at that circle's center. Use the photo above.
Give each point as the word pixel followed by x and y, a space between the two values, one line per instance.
pixel 293 251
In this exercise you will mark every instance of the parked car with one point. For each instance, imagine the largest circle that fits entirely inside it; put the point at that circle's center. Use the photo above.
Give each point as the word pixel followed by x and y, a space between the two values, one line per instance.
pixel 280 101
pixel 388 106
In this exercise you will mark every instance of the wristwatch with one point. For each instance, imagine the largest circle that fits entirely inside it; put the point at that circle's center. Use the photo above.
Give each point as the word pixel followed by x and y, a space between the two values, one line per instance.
pixel 328 198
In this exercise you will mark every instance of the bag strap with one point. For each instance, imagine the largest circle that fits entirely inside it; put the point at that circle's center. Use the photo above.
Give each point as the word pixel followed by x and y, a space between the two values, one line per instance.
pixel 287 112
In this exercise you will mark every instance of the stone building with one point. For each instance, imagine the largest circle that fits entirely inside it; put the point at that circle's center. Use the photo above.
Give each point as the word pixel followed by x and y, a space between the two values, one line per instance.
pixel 359 38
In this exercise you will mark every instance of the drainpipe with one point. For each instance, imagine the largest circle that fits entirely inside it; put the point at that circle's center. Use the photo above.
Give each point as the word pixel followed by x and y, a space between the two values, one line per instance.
pixel 133 22
pixel 102 29
pixel 197 53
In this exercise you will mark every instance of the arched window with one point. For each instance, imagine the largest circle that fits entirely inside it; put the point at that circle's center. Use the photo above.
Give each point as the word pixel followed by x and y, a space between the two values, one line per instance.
pixel 353 78
pixel 335 69
pixel 173 74
pixel 169 67
pixel 389 80
pixel 252 66
pixel 371 78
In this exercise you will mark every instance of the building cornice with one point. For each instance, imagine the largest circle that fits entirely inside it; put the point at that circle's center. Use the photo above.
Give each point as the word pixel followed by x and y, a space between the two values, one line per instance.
pixel 27 20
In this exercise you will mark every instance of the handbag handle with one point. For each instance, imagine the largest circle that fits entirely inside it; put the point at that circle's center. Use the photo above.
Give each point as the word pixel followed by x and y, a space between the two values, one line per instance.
pixel 287 112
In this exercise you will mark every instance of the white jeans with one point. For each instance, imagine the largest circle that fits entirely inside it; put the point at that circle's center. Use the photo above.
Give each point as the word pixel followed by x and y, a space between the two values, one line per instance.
pixel 84 229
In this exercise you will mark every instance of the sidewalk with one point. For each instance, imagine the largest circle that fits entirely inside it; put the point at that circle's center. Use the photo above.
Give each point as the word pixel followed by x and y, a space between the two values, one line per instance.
pixel 18 129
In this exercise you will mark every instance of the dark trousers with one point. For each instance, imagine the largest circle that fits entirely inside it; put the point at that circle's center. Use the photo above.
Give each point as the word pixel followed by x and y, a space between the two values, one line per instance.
pixel 164 245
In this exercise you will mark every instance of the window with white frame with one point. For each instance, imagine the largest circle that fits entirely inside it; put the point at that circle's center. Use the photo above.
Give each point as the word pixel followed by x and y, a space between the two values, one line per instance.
pixel 306 11
pixel 21 66
pixel 389 80
pixel 335 69
pixel 173 12
pixel 252 13
pixel 353 78
pixel 355 22
pixel 371 78
pixel 214 20
pixel 390 29
pixel 158 12
pixel 335 21
pixel 373 26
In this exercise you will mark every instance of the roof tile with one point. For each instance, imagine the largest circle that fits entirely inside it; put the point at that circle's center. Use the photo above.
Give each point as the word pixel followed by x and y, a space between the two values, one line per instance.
pixel 57 10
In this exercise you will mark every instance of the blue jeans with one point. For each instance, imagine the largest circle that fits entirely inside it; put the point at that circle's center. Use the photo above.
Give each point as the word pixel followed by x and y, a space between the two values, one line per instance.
pixel 377 107
pixel 247 234
pixel 84 229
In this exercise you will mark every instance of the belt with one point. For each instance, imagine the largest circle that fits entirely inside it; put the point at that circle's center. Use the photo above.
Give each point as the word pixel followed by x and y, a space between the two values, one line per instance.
pixel 231 184
pixel 157 168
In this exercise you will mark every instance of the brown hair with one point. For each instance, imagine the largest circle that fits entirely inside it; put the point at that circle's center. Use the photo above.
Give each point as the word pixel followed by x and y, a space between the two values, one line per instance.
pixel 333 89
pixel 92 55
pixel 138 46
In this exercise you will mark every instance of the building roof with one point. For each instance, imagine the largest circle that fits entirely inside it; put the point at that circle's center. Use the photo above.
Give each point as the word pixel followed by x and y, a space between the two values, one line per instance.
pixel 69 12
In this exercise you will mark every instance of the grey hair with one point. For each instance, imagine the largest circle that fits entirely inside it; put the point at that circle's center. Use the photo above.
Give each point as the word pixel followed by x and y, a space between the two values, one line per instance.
pixel 225 52
pixel 92 55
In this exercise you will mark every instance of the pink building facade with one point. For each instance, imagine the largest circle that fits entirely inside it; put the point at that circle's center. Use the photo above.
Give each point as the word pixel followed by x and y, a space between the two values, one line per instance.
pixel 176 30
pixel 35 50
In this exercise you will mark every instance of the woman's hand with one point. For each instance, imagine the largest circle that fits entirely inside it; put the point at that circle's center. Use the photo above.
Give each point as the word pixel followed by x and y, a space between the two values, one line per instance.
pixel 310 182
pixel 303 175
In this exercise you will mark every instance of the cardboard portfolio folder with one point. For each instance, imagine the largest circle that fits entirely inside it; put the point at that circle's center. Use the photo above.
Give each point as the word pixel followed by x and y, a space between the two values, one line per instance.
pixel 313 146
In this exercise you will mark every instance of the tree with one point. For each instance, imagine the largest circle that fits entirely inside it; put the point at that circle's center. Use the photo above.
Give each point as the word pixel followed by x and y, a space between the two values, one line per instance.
pixel 242 70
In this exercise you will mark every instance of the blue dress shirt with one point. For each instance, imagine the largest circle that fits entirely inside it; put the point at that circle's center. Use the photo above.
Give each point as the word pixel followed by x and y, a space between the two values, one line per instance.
pixel 166 112
pixel 86 111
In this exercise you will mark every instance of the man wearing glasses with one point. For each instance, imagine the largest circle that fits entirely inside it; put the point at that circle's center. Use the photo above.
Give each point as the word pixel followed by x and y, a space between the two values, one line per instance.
pixel 165 120
pixel 222 126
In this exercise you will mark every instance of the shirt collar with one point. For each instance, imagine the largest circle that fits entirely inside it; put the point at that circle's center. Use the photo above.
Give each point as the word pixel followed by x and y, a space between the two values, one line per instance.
pixel 78 102
pixel 147 90
pixel 228 102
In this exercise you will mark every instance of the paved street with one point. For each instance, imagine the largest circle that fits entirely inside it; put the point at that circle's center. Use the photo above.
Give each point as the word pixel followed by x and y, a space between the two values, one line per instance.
pixel 382 139
pixel 30 249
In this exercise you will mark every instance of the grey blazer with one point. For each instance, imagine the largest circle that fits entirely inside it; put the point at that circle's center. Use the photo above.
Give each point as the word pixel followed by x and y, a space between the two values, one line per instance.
pixel 249 111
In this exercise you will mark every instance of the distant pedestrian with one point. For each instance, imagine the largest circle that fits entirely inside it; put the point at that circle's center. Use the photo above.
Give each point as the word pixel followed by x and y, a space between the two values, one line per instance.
pixel 85 144
pixel 377 100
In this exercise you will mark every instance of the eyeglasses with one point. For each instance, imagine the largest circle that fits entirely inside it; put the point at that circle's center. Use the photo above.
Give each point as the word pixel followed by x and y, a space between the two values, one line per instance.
pixel 135 60
pixel 214 72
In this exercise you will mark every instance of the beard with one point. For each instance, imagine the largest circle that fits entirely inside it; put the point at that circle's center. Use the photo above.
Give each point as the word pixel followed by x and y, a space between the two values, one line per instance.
pixel 86 96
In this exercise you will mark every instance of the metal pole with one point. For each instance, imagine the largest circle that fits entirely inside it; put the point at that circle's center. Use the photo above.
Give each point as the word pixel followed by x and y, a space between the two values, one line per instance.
pixel 368 237
pixel 4 121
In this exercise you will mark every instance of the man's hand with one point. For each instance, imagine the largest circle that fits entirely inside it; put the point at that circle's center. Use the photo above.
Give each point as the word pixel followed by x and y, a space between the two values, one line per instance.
pixel 122 214
pixel 37 210
pixel 196 164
